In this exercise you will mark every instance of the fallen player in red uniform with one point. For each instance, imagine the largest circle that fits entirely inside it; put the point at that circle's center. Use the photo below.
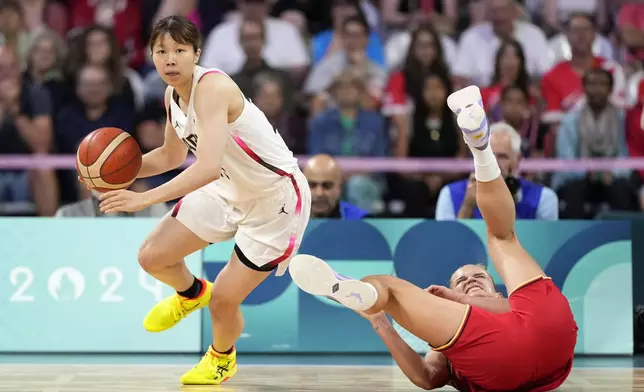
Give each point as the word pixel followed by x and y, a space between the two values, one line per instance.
pixel 481 341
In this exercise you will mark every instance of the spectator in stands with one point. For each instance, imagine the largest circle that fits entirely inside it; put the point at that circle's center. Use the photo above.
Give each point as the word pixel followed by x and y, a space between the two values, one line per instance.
pixel 595 129
pixel 13 34
pixel 518 113
pixel 329 41
pixel 406 86
pixel 316 12
pixel 560 46
pixel 351 130
pixel 533 201
pixel 97 45
pixel 25 128
pixel 399 43
pixel 562 86
pixel 479 44
pixel 187 8
pixel 434 135
pixel 122 19
pixel 300 13
pixel 323 74
pixel 509 69
pixel 39 15
pixel 92 109
pixel 88 207
pixel 400 14
pixel 270 97
pixel 45 64
pixel 630 22
pixel 325 180
pixel 252 40
pixel 285 48
pixel 557 12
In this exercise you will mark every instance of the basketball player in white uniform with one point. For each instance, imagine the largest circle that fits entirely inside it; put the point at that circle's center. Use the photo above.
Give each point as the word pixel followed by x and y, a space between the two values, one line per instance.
pixel 245 185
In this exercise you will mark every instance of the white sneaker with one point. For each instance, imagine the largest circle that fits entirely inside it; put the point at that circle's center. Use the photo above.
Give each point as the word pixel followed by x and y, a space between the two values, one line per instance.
pixel 463 97
pixel 471 118
pixel 316 277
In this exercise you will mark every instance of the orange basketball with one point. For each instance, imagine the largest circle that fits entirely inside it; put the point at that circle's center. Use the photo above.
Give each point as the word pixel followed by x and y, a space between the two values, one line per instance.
pixel 108 159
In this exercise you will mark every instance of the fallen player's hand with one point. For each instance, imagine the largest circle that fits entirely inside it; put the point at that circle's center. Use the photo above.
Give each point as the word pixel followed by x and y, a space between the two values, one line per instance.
pixel 377 320
pixel 444 292
pixel 372 317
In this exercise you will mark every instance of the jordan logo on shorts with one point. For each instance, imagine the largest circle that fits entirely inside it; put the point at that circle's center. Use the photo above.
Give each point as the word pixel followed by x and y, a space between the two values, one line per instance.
pixel 283 211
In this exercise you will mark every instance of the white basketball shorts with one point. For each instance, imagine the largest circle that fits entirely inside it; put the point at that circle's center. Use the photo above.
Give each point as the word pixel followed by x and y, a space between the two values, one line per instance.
pixel 267 231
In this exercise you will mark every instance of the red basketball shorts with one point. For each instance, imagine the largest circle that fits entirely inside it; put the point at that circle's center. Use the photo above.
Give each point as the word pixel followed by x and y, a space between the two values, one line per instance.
pixel 530 347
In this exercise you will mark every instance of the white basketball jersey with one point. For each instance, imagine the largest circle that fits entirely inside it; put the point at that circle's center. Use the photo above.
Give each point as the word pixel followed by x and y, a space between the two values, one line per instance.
pixel 256 159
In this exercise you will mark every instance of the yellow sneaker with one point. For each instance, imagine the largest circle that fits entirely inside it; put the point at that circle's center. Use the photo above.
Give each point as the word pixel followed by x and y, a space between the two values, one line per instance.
pixel 213 369
pixel 167 313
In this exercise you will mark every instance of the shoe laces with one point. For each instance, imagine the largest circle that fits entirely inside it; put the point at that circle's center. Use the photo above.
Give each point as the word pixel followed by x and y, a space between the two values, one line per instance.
pixel 179 310
pixel 214 365
pixel 208 364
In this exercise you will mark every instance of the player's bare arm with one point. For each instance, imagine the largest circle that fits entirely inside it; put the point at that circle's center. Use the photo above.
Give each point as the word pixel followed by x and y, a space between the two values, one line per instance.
pixel 170 155
pixel 212 133
pixel 494 303
pixel 428 373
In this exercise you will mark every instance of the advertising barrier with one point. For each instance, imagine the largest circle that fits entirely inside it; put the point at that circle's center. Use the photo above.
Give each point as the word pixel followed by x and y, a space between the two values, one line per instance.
pixel 75 285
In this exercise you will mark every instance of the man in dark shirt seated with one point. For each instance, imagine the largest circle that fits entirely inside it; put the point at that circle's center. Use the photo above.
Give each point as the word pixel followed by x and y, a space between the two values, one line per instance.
pixel 325 179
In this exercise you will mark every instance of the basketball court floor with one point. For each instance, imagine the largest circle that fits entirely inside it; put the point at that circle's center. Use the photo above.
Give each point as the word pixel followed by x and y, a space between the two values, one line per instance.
pixel 27 373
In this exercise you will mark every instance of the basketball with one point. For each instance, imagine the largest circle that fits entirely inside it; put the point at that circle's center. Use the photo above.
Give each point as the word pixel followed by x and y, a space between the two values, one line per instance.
pixel 108 159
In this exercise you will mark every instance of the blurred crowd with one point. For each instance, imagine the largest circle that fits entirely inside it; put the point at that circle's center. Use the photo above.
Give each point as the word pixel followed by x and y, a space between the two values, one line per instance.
pixel 347 78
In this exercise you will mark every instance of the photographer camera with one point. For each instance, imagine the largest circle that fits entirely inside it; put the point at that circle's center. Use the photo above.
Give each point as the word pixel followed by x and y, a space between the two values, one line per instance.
pixel 457 200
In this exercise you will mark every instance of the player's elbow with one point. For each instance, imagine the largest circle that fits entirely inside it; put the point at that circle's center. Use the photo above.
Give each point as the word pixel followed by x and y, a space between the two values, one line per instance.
pixel 427 380
pixel 434 377
pixel 425 383
pixel 174 157
pixel 177 161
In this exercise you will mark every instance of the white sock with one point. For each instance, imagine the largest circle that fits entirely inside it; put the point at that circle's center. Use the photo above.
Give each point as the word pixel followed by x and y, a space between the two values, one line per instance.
pixel 486 168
